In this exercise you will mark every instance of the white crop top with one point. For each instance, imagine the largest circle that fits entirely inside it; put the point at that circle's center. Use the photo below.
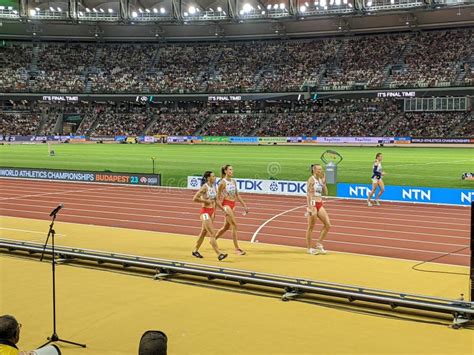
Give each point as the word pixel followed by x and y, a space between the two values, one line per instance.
pixel 230 188
pixel 318 187
pixel 211 192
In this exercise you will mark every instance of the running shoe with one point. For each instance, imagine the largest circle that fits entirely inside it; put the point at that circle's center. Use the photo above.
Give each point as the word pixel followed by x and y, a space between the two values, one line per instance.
pixel 369 204
pixel 240 252
pixel 313 251
pixel 377 203
pixel 197 254
pixel 320 249
pixel 222 257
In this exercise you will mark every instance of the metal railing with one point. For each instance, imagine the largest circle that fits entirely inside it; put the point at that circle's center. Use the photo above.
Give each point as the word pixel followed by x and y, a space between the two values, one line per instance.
pixel 5 13
pixel 462 311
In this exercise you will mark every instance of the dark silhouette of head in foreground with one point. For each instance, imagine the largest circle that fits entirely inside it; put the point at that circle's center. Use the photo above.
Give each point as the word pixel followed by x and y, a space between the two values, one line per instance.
pixel 153 342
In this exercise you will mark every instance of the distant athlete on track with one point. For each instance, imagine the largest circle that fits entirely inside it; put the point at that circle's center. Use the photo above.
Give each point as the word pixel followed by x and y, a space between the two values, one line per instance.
pixel 315 209
pixel 227 191
pixel 207 195
pixel 377 174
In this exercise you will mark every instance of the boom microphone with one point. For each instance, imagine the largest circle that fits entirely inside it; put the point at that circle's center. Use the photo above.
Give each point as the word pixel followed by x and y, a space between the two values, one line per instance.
pixel 56 210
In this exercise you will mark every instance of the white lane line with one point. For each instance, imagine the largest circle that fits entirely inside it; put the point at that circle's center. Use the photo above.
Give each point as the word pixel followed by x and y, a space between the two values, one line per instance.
pixel 165 212
pixel 392 258
pixel 176 192
pixel 29 231
pixel 288 237
pixel 300 227
pixel 271 219
pixel 303 249
pixel 329 241
pixel 362 236
pixel 49 194
pixel 362 208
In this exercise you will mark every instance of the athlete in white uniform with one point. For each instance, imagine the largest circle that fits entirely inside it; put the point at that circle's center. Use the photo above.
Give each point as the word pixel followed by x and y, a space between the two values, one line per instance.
pixel 227 191
pixel 230 189
pixel 377 174
pixel 207 196
pixel 315 209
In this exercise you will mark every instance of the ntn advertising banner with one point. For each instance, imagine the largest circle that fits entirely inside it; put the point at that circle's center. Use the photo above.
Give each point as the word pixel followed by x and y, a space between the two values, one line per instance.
pixel 410 194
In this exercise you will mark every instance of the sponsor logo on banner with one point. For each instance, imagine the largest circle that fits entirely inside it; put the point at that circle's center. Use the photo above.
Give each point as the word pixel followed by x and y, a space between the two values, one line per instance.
pixel 442 140
pixel 467 197
pixel 416 195
pixel 153 181
pixel 97 139
pixel 355 140
pixel 277 187
pixel 253 140
pixel 250 185
pixel 409 194
pixel 194 183
pixel 359 191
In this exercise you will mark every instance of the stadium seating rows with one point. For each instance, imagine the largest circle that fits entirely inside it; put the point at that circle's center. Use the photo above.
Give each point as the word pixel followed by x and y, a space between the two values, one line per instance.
pixel 425 59
pixel 335 117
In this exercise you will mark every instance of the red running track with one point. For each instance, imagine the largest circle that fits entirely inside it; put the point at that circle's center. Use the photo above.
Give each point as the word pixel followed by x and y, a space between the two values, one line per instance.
pixel 405 231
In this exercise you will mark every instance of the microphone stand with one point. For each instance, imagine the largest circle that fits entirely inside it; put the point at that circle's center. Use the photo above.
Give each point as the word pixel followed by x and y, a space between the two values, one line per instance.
pixel 52 232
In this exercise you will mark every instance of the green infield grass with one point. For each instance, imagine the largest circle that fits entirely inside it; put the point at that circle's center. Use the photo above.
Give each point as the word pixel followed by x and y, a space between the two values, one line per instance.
pixel 431 167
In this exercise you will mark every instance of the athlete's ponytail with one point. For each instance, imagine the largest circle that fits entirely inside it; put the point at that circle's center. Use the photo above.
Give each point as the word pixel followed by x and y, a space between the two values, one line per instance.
pixel 224 170
pixel 205 177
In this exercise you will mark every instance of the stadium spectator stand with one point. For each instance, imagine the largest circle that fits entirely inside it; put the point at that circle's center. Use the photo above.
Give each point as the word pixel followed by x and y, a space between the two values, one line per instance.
pixel 425 59
pixel 332 117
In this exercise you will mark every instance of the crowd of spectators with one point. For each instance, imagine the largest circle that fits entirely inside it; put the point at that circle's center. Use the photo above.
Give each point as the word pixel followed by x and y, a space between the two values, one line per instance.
pixel 362 61
pixel 188 74
pixel 425 59
pixel 434 59
pixel 433 124
pixel 112 119
pixel 239 64
pixel 359 118
pixel 15 61
pixel 122 68
pixel 233 124
pixel 19 123
pixel 62 67
pixel 330 117
pixel 297 62
pixel 23 118
pixel 112 124
pixel 180 121
pixel 291 124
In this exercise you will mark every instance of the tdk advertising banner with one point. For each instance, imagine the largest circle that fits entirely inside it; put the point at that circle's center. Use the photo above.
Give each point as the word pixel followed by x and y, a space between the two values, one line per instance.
pixel 276 187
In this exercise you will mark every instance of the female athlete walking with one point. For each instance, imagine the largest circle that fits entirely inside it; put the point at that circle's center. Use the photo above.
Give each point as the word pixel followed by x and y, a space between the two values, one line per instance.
pixel 227 191
pixel 207 195
pixel 377 174
pixel 316 187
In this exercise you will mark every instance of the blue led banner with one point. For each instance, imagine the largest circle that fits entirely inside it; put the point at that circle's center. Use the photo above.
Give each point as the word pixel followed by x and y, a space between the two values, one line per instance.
pixel 410 194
